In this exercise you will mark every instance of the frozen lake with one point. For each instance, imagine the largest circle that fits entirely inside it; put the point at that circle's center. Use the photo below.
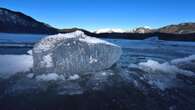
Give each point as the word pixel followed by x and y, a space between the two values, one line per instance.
pixel 150 75
pixel 19 38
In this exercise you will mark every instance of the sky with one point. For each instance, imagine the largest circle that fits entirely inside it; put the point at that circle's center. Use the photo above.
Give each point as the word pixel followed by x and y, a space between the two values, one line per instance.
pixel 98 14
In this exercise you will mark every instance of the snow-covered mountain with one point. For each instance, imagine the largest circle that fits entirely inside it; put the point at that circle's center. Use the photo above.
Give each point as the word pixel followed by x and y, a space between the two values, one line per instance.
pixel 145 29
pixel 183 28
pixel 109 30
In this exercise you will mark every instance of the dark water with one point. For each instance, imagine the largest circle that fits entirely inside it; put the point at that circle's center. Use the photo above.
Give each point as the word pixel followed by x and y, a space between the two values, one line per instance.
pixel 151 75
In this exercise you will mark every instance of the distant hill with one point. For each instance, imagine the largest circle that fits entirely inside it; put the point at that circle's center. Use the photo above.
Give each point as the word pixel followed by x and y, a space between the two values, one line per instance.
pixel 183 28
pixel 17 22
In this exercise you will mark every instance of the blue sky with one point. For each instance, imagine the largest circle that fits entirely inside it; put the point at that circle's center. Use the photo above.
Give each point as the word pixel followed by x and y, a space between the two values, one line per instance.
pixel 97 14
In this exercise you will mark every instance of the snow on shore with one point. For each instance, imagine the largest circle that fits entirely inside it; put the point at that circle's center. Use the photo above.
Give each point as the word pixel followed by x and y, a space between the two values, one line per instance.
pixel 12 64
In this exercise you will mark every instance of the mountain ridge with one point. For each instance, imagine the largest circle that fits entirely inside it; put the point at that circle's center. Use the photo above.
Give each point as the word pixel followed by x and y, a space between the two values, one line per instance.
pixel 17 22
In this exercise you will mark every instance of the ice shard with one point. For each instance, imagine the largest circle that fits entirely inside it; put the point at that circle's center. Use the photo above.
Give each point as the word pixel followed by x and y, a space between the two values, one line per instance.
pixel 73 53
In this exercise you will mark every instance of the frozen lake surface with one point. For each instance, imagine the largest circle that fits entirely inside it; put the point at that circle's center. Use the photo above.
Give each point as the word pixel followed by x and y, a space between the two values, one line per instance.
pixel 19 38
pixel 150 75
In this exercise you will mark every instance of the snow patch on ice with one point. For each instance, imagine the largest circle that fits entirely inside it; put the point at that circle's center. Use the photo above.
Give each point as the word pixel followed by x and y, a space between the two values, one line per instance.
pixel 163 75
pixel 49 77
pixel 184 60
pixel 30 52
pixel 52 40
pixel 104 73
pixel 93 40
pixel 166 67
pixel 74 77
pixel 49 42
pixel 30 75
pixel 12 64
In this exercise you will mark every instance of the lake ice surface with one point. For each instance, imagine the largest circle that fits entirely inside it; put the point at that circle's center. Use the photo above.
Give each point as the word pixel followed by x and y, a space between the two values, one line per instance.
pixel 146 65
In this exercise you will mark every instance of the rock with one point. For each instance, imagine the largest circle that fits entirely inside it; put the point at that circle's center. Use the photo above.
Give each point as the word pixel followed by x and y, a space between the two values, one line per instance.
pixel 73 53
